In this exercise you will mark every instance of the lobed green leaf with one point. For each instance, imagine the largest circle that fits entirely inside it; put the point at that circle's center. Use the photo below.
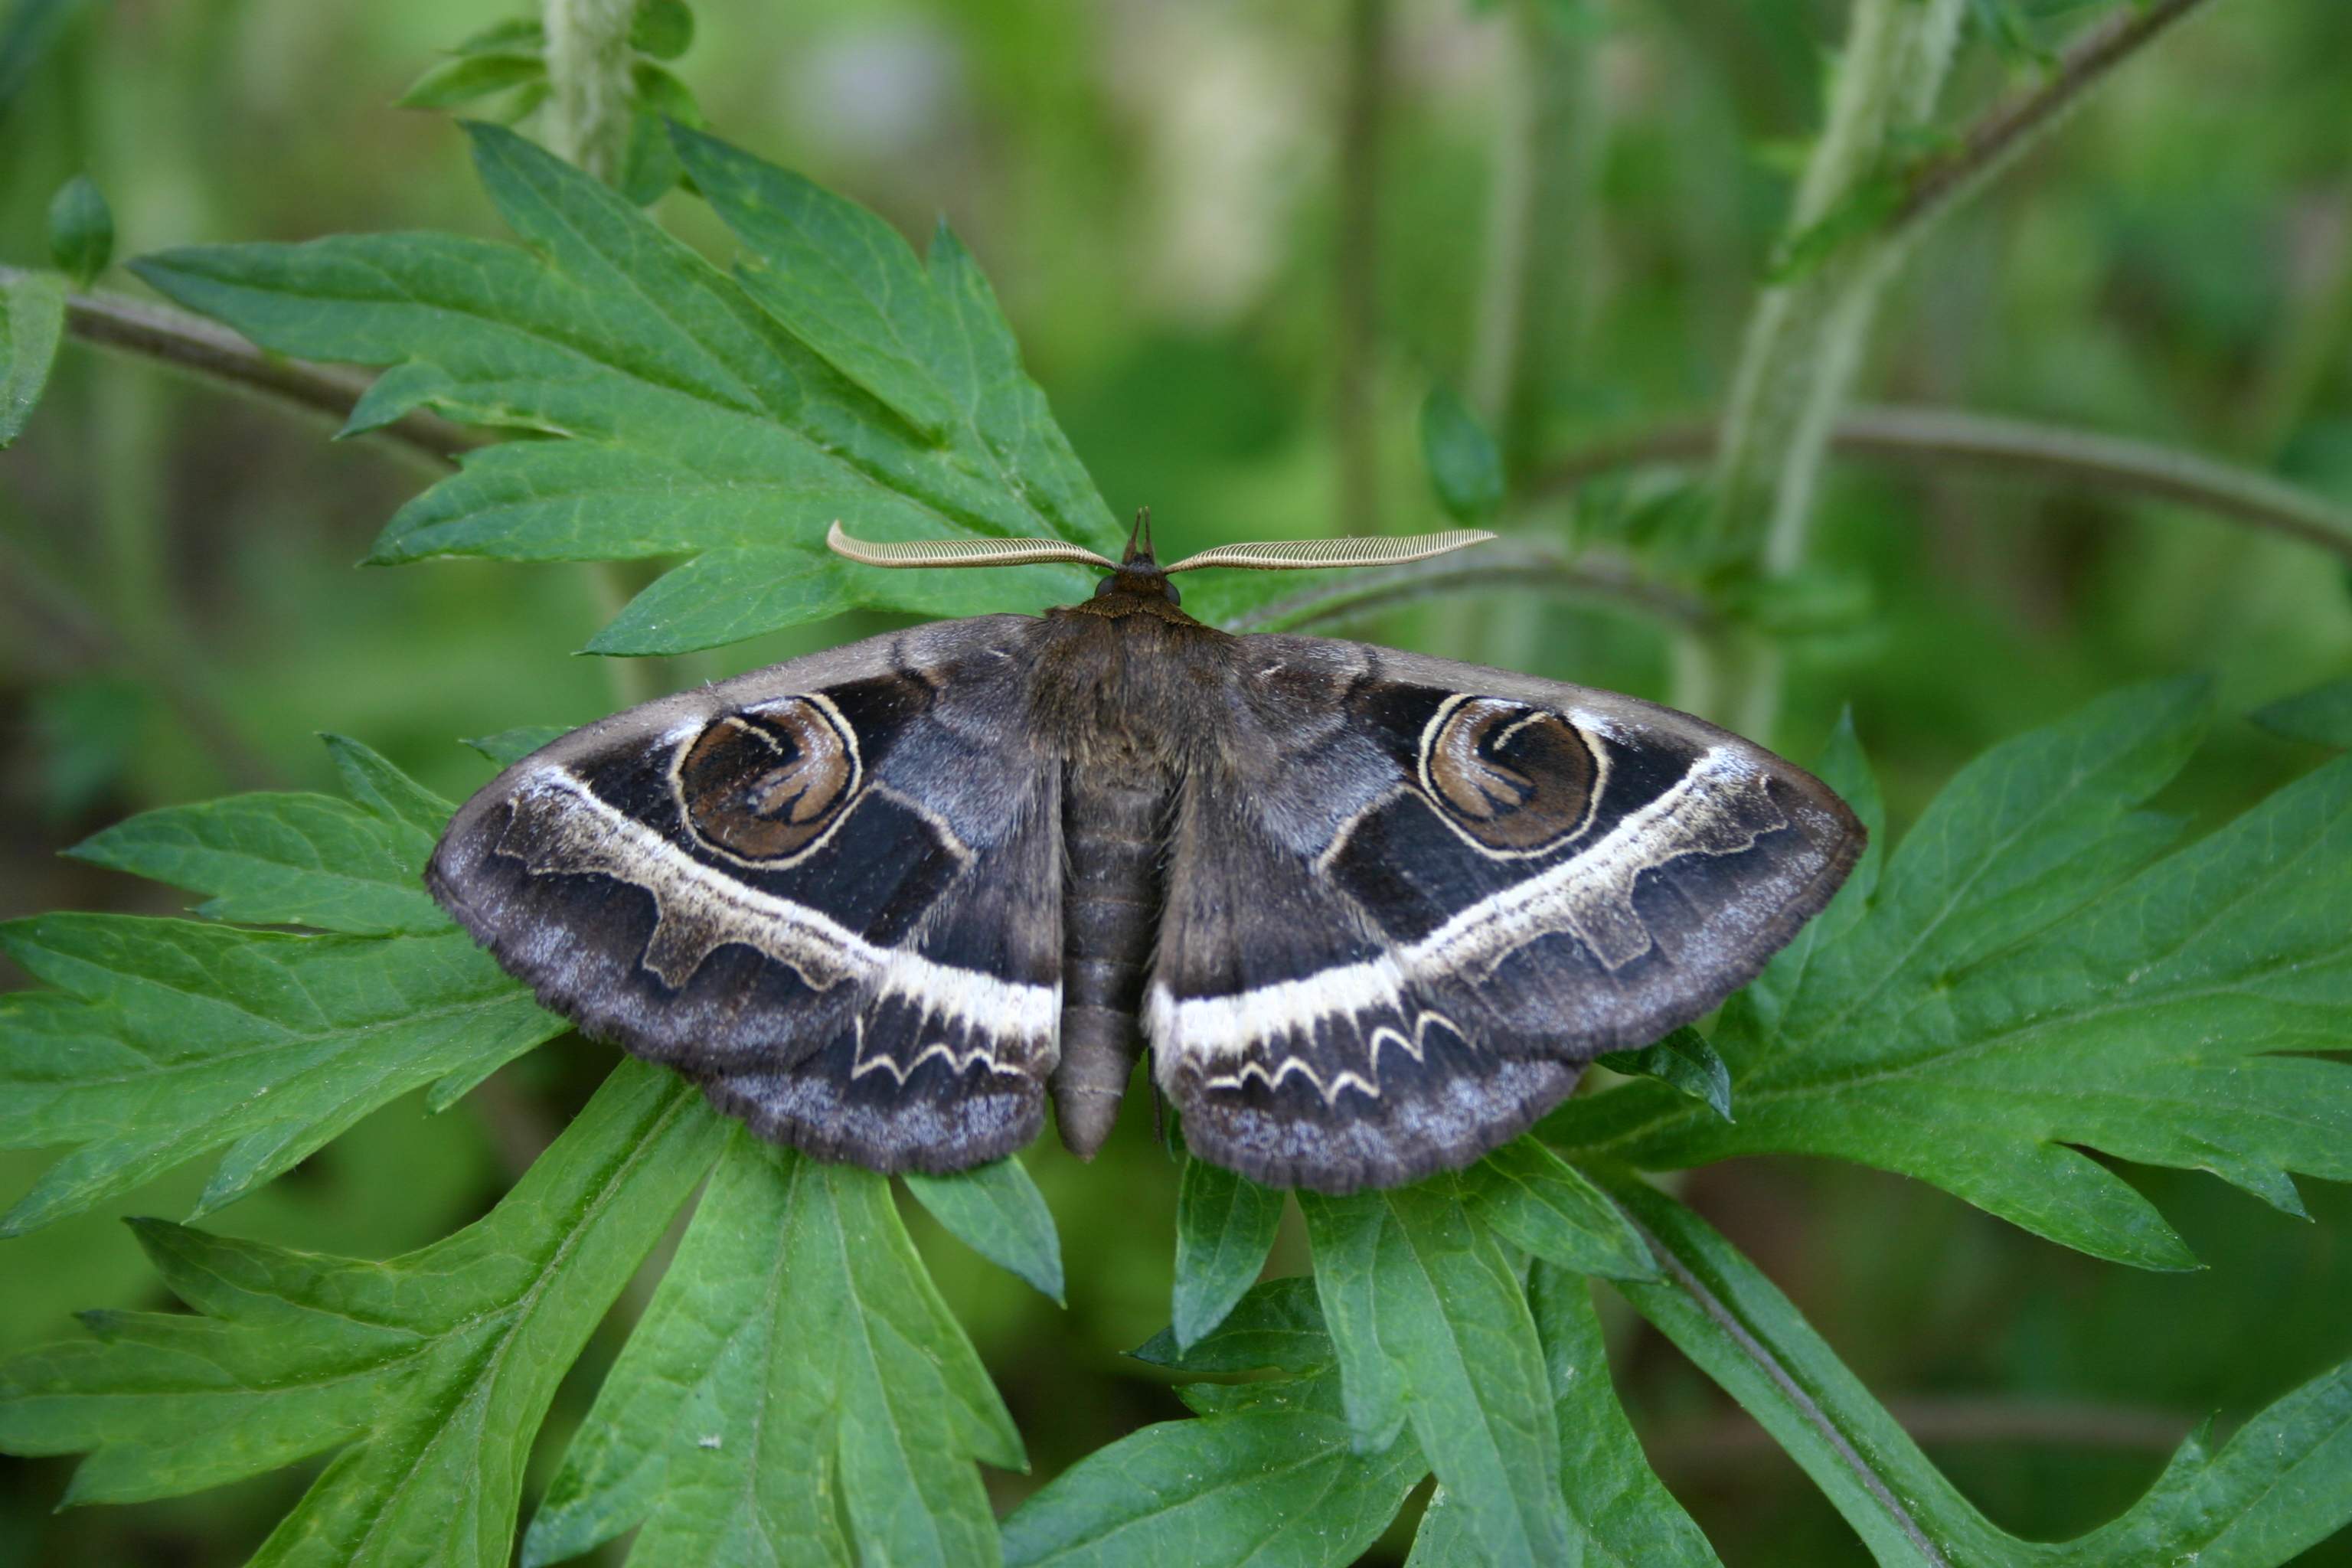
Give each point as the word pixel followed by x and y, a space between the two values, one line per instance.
pixel 796 1393
pixel 1432 1331
pixel 696 415
pixel 429 1373
pixel 160 1040
pixel 2033 975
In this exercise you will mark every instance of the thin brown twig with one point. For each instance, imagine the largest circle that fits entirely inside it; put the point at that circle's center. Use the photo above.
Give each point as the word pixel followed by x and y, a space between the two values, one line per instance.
pixel 1953 437
pixel 2004 130
pixel 192 343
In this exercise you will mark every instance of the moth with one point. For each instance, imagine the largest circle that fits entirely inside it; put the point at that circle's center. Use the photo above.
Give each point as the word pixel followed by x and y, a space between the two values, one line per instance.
pixel 1368 913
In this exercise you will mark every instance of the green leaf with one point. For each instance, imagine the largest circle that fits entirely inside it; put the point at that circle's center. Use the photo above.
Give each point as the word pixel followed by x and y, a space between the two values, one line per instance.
pixel 449 83
pixel 32 325
pixel 284 859
pixel 2322 715
pixel 165 1039
pixel 1623 1513
pixel 1466 467
pixel 1683 1061
pixel 662 28
pixel 1224 1230
pixel 2282 1484
pixel 997 1211
pixel 1727 1317
pixel 797 1392
pixel 1272 1480
pixel 81 230
pixel 427 1374
pixel 1276 1324
pixel 693 419
pixel 513 746
pixel 1432 1331
pixel 2035 976
pixel 1542 1205
pixel 517 35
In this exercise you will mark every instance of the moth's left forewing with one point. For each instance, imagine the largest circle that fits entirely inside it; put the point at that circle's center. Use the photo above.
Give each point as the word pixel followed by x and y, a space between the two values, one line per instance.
pixel 828 892
pixel 1507 877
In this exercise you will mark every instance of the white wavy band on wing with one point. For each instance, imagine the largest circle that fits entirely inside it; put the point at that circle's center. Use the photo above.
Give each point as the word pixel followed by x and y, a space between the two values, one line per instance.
pixel 561 825
pixel 1719 807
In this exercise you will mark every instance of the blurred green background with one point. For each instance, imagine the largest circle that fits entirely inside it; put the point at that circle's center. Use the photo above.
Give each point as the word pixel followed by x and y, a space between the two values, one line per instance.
pixel 1155 187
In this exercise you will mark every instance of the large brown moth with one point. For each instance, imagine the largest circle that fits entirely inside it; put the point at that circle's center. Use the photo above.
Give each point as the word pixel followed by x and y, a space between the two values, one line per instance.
pixel 1368 912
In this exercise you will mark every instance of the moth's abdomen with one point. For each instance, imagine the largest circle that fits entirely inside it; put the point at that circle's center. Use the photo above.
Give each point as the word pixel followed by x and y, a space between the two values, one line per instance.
pixel 1113 827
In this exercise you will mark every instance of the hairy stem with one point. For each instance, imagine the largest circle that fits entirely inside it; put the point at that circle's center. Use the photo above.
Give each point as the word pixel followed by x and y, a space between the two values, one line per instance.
pixel 1356 408
pixel 2016 122
pixel 1949 438
pixel 591 95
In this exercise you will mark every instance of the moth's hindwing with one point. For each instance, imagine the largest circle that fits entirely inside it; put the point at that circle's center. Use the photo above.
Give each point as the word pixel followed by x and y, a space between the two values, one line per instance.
pixel 1415 897
pixel 829 892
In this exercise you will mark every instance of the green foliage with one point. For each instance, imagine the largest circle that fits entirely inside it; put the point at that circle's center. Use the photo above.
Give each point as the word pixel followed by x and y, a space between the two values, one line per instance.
pixel 426 1375
pixel 796 1393
pixel 709 424
pixel 32 325
pixel 1683 1061
pixel 81 230
pixel 1225 1224
pixel 2043 966
pixel 2039 970
pixel 166 1039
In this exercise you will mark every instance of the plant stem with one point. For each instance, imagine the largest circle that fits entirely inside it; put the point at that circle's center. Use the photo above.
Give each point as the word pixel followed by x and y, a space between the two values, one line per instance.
pixel 592 94
pixel 591 98
pixel 2010 126
pixel 1356 408
pixel 193 344
pixel 1952 437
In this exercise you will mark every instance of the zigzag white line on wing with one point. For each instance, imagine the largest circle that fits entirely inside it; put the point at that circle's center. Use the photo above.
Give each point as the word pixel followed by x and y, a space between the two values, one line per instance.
pixel 1719 807
pixel 561 825
pixel 1366 1082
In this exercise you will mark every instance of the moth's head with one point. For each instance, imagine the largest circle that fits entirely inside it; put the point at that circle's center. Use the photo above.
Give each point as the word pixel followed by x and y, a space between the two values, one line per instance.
pixel 1137 580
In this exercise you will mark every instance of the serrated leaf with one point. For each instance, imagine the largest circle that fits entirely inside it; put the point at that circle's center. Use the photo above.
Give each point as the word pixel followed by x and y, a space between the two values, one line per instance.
pixel 997 1211
pixel 81 230
pixel 2033 974
pixel 472 75
pixel 1466 467
pixel 165 1039
pixel 797 1392
pixel 32 325
pixel 1277 1323
pixel 1271 1479
pixel 1622 1515
pixel 1683 1061
pixel 695 421
pixel 1432 1332
pixel 429 1373
pixel 2282 1484
pixel 285 859
pixel 1225 1224
pixel 1542 1205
